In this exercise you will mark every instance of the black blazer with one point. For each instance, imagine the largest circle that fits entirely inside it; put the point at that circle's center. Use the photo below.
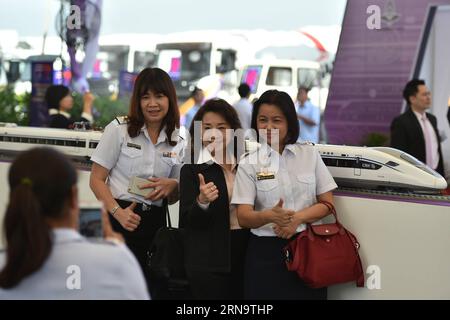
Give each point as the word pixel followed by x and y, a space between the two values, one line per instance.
pixel 61 122
pixel 207 237
pixel 407 135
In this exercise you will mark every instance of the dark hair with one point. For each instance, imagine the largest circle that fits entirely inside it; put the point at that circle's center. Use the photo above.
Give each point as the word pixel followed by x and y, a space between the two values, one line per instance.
pixel 305 88
pixel 158 81
pixel 54 95
pixel 284 102
pixel 222 108
pixel 244 90
pixel 411 89
pixel 40 182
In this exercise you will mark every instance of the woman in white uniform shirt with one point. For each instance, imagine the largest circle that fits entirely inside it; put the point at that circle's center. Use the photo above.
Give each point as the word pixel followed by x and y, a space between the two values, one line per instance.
pixel 277 190
pixel 146 145
pixel 44 251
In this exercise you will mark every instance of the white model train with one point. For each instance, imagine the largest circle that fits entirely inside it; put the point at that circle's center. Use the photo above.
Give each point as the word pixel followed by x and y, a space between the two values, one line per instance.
pixel 375 167
pixel 78 145
pixel 360 167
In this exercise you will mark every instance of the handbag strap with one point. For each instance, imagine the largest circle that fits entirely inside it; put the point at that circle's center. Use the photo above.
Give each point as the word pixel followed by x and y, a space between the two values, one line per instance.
pixel 166 209
pixel 331 209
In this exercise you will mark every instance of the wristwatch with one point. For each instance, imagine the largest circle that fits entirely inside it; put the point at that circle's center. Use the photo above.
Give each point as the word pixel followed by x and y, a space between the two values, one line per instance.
pixel 114 210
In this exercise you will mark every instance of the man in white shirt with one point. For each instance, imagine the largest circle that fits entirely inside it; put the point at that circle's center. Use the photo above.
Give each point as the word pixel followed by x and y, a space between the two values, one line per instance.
pixel 308 117
pixel 244 107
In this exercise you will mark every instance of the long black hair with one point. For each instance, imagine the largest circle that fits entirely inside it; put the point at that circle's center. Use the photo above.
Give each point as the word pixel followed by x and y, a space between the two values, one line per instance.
pixel 41 181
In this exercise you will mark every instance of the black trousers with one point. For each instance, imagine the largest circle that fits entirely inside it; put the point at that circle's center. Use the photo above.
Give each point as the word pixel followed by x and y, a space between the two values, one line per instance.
pixel 267 277
pixel 206 285
pixel 139 240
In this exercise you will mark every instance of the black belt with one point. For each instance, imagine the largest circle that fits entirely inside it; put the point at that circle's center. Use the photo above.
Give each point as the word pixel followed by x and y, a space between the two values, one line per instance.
pixel 141 207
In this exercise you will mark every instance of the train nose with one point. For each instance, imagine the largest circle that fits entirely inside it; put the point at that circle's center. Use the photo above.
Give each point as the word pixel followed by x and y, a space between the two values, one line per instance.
pixel 440 183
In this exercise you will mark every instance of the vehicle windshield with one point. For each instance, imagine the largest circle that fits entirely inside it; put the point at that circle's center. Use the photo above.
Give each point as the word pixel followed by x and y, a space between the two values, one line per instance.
pixel 251 75
pixel 418 164
pixel 185 61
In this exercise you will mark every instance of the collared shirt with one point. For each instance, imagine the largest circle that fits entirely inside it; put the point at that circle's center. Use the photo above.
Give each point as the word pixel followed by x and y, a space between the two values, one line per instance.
pixel 425 124
pixel 206 157
pixel 310 111
pixel 126 157
pixel 84 115
pixel 101 270
pixel 297 176
pixel 244 110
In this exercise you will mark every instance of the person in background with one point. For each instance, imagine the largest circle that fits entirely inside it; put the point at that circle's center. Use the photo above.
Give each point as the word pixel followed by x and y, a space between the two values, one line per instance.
pixel 146 145
pixel 308 117
pixel 277 191
pixel 244 107
pixel 198 95
pixel 215 243
pixel 415 131
pixel 59 102
pixel 43 246
pixel 448 112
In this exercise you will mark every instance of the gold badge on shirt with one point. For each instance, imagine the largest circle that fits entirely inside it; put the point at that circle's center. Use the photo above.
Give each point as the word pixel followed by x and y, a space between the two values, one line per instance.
pixel 265 175
pixel 133 145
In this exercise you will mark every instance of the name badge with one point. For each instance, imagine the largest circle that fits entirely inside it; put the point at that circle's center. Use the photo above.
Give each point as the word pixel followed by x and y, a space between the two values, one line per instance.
pixel 169 154
pixel 133 145
pixel 265 175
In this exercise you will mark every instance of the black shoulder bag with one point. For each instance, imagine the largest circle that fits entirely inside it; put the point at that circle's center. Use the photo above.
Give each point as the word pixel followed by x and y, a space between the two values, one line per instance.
pixel 166 262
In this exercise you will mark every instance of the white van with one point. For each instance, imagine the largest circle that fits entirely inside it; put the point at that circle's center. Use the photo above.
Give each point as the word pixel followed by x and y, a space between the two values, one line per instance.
pixel 283 75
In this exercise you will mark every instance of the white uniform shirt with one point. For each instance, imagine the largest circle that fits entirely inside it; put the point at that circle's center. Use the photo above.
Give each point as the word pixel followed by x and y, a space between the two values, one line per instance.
pixel 126 157
pixel 106 271
pixel 297 176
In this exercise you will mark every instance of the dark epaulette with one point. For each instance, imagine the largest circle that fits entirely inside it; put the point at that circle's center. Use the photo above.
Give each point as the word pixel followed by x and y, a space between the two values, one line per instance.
pixel 306 143
pixel 122 120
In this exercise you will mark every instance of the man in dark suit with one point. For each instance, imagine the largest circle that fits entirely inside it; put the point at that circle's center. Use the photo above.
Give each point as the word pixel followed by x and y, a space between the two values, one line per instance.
pixel 415 131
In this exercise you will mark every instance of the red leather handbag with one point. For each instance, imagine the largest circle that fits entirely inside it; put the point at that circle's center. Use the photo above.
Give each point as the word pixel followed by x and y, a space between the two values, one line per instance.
pixel 324 255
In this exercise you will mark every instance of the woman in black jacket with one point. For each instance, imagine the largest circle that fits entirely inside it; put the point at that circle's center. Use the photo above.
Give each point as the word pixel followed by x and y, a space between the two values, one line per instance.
pixel 215 243
pixel 59 102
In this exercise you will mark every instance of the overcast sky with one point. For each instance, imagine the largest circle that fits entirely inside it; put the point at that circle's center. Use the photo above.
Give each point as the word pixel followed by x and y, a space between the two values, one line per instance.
pixel 29 17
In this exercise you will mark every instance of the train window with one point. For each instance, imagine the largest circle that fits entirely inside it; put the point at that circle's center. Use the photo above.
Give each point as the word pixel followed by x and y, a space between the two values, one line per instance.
pixel 70 143
pixel 33 140
pixel 330 162
pixel 1 138
pixel 347 163
pixel 392 164
pixel 59 142
pixel 410 159
pixel 93 145
pixel 81 144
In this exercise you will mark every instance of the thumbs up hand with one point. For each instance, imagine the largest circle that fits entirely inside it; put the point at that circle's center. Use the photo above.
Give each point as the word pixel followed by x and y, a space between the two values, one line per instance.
pixel 208 191
pixel 280 216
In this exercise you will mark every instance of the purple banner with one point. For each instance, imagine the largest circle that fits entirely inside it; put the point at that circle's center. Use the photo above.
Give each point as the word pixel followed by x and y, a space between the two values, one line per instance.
pixel 126 83
pixel 42 76
pixel 372 66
